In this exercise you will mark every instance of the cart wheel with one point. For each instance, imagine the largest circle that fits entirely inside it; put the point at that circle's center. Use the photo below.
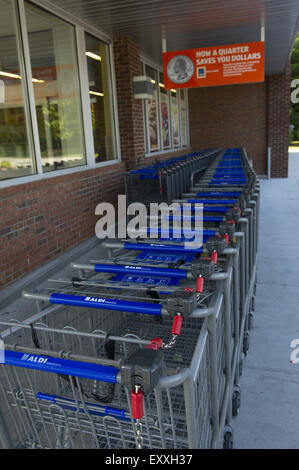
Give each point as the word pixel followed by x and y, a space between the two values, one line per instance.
pixel 245 343
pixel 236 402
pixel 228 440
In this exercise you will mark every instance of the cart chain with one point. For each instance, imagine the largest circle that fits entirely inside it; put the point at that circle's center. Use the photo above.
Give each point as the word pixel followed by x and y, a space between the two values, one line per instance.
pixel 175 332
pixel 138 429
pixel 138 426
pixel 170 343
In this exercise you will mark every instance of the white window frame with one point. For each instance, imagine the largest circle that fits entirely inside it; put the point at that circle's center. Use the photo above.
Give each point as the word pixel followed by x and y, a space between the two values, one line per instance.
pixel 145 61
pixel 80 29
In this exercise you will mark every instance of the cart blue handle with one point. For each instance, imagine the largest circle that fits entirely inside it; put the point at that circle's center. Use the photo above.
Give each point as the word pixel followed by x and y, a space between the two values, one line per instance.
pixel 71 405
pixel 142 270
pixel 175 231
pixel 161 248
pixel 206 218
pixel 231 174
pixel 204 209
pixel 85 370
pixel 232 171
pixel 229 182
pixel 219 193
pixel 105 304
pixel 212 201
pixel 229 177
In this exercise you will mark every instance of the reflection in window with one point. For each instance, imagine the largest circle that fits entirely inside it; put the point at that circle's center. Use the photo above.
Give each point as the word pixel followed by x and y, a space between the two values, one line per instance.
pixel 56 89
pixel 165 123
pixel 166 115
pixel 183 118
pixel 100 99
pixel 175 118
pixel 15 150
pixel 152 112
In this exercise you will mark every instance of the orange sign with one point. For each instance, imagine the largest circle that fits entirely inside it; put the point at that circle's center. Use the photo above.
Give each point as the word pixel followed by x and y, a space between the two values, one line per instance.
pixel 212 66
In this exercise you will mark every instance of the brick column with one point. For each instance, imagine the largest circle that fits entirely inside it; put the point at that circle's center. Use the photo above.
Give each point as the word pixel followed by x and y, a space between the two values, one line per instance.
pixel 130 110
pixel 279 122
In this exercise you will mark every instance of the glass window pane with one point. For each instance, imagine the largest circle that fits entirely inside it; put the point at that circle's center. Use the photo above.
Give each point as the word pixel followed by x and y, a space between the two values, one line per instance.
pixel 183 118
pixel 164 104
pixel 175 119
pixel 56 89
pixel 152 114
pixel 15 153
pixel 100 99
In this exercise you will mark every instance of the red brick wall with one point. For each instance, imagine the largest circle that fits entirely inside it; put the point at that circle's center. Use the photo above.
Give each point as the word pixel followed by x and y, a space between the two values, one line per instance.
pixel 130 110
pixel 279 122
pixel 40 220
pixel 254 116
pixel 230 116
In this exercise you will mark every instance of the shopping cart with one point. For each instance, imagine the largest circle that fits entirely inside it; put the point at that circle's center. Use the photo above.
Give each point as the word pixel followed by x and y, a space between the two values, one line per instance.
pixel 164 181
pixel 143 349
pixel 95 375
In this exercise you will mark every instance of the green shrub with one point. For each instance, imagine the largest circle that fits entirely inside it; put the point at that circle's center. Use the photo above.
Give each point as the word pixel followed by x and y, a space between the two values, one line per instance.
pixel 5 164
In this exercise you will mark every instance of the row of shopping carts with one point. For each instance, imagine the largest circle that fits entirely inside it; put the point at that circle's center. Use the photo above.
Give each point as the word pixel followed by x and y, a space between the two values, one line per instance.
pixel 166 180
pixel 144 348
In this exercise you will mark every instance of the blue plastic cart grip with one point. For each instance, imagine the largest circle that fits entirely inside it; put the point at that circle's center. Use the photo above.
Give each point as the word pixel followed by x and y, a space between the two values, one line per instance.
pixel 85 370
pixel 228 182
pixel 199 216
pixel 179 233
pixel 161 248
pixel 229 175
pixel 219 193
pixel 213 201
pixel 98 410
pixel 105 304
pixel 141 270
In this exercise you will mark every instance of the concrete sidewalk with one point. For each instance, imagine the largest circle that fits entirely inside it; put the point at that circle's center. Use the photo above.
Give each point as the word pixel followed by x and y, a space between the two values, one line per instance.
pixel 269 413
pixel 294 162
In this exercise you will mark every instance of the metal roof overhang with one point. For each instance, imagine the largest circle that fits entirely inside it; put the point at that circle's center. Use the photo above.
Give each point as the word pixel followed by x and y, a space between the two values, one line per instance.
pixel 188 24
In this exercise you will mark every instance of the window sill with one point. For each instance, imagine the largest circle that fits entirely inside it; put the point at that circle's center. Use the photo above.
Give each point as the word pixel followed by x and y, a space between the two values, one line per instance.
pixel 162 152
pixel 67 171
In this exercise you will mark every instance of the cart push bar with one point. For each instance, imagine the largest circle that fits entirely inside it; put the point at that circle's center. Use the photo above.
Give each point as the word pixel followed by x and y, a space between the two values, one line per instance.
pixel 140 373
pixel 200 269
pixel 184 302
pixel 214 246
pixel 198 266
pixel 143 367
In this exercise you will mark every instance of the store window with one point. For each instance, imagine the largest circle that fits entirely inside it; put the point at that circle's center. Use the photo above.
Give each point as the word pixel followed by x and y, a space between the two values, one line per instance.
pixel 16 152
pixel 183 118
pixel 166 115
pixel 175 126
pixel 100 99
pixel 43 126
pixel 152 113
pixel 56 89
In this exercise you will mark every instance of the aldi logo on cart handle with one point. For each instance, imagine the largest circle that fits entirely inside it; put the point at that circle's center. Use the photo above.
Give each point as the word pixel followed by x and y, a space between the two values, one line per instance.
pixel 31 358
pixel 94 299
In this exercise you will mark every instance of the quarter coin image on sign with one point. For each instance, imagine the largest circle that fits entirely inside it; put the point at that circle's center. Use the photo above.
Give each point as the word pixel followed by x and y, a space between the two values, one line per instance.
pixel 180 69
